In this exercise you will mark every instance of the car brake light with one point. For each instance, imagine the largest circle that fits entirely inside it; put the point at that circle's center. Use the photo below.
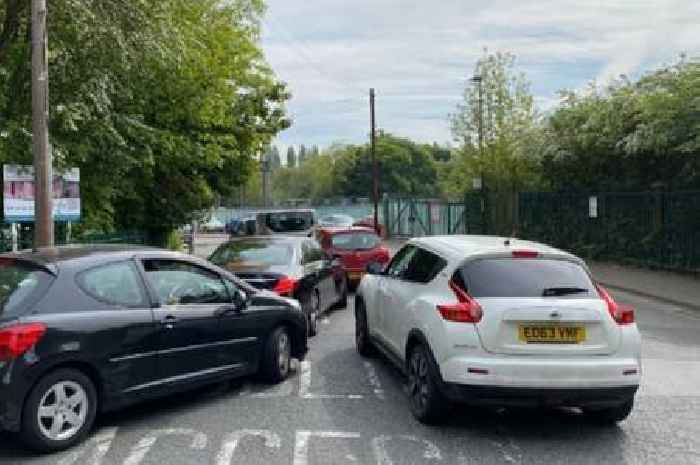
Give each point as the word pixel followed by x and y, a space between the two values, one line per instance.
pixel 16 340
pixel 286 286
pixel 466 310
pixel 525 254
pixel 622 314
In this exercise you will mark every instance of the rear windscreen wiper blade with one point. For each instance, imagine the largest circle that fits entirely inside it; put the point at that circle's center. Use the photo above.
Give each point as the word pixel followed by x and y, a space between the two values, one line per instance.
pixel 557 291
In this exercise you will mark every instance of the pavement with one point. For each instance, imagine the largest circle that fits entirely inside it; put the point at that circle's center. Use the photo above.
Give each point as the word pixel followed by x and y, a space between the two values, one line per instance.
pixel 338 408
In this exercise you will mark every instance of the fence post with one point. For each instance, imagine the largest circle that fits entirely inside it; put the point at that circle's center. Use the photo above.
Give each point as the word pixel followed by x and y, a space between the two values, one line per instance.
pixel 387 218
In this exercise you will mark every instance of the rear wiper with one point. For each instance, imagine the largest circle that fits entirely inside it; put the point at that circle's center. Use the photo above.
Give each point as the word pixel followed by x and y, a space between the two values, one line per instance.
pixel 557 291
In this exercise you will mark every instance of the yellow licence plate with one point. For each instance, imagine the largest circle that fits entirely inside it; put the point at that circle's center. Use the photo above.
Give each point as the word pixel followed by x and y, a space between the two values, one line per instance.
pixel 356 276
pixel 551 334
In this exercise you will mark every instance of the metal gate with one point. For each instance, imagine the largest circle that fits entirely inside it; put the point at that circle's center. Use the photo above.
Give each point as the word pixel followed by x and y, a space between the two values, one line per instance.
pixel 408 217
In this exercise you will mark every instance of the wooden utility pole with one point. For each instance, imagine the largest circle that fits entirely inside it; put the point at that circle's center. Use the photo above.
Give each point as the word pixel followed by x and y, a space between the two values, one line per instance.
pixel 375 165
pixel 43 175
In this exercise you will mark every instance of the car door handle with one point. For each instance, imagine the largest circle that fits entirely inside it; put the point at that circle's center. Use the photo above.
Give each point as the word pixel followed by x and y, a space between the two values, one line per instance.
pixel 169 321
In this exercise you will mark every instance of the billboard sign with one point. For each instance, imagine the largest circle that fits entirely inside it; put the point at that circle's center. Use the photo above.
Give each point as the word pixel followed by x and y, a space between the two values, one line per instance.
pixel 18 198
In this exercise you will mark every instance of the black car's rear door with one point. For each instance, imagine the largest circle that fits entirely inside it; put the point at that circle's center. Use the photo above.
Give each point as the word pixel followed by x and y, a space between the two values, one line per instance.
pixel 195 330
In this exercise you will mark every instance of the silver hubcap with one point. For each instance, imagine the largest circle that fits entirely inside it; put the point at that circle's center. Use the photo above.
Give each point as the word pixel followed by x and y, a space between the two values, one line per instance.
pixel 62 411
pixel 418 381
pixel 283 351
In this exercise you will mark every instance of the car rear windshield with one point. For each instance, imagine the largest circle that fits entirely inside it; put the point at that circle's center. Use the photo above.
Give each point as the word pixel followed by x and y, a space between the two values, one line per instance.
pixel 244 254
pixel 281 222
pixel 506 277
pixel 355 241
pixel 21 285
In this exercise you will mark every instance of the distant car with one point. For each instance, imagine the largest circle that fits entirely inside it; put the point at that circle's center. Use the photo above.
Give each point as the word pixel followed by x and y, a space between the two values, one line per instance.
pixel 296 222
pixel 356 247
pixel 503 322
pixel 337 221
pixel 89 329
pixel 293 267
pixel 213 225
pixel 241 226
pixel 368 222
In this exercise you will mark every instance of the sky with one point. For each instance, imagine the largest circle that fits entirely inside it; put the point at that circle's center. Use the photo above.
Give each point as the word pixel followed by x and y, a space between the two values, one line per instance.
pixel 420 54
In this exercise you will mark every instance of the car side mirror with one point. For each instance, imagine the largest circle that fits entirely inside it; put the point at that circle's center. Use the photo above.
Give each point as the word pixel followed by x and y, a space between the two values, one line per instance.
pixel 375 268
pixel 239 300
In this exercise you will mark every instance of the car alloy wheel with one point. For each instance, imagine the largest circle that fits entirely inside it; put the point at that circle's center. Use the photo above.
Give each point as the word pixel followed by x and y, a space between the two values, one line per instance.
pixel 418 387
pixel 284 353
pixel 62 411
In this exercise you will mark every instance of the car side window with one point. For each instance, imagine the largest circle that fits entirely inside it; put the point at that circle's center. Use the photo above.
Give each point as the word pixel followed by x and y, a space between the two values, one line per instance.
pixel 423 267
pixel 115 283
pixel 398 265
pixel 177 282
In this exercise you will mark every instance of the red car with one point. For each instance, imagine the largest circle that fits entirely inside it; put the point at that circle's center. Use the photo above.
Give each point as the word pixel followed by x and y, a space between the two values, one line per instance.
pixel 355 246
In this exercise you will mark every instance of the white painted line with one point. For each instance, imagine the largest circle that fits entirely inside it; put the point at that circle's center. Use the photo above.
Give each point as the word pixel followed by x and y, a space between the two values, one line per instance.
pixel 228 448
pixel 430 451
pixel 325 321
pixel 284 389
pixel 140 450
pixel 374 380
pixel 305 386
pixel 301 444
pixel 102 442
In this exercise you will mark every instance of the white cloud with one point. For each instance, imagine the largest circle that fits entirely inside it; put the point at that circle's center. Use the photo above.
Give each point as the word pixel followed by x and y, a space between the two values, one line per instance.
pixel 419 54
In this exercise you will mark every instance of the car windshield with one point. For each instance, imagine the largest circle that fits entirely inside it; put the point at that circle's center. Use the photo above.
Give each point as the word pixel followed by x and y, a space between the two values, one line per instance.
pixel 280 222
pixel 355 241
pixel 526 278
pixel 21 285
pixel 243 254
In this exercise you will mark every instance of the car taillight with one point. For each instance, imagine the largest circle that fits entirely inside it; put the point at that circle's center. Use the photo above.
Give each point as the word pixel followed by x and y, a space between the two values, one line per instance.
pixel 286 286
pixel 466 310
pixel 16 340
pixel 622 314
pixel 525 254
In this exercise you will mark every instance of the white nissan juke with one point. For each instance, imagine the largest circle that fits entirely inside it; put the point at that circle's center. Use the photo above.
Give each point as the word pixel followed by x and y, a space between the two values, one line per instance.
pixel 496 321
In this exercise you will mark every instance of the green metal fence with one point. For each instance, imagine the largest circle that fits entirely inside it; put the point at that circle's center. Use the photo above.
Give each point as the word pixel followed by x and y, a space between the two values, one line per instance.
pixel 655 229
pixel 25 239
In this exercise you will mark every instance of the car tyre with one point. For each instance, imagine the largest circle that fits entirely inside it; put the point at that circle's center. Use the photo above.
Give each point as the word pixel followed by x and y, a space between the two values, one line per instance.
pixel 313 313
pixel 59 411
pixel 277 357
pixel 343 301
pixel 612 415
pixel 363 342
pixel 427 402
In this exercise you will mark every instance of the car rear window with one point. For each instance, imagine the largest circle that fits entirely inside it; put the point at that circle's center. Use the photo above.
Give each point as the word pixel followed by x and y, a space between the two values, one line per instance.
pixel 507 277
pixel 21 285
pixel 281 222
pixel 355 241
pixel 243 254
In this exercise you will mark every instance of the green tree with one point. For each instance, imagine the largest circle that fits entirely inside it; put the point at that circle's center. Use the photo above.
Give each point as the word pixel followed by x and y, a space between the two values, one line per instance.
pixel 291 157
pixel 302 154
pixel 511 129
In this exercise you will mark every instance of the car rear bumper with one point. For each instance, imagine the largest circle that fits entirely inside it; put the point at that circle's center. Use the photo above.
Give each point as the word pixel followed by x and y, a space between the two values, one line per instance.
pixel 534 397
pixel 542 372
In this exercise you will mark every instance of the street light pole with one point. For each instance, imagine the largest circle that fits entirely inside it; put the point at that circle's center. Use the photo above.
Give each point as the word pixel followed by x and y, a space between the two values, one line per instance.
pixel 375 166
pixel 43 176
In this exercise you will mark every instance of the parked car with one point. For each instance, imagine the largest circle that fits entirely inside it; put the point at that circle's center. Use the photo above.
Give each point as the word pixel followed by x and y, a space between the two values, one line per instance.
pixel 368 222
pixel 338 221
pixel 89 329
pixel 296 222
pixel 356 247
pixel 490 320
pixel 241 226
pixel 293 267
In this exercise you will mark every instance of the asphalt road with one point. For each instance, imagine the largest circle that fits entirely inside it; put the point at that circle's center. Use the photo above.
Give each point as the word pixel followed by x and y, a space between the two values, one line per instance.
pixel 340 409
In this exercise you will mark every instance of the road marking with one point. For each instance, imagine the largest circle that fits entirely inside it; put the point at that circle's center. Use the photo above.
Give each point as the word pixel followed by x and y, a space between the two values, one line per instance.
pixel 140 450
pixel 305 386
pixel 325 321
pixel 228 448
pixel 301 444
pixel 374 380
pixel 103 442
pixel 430 452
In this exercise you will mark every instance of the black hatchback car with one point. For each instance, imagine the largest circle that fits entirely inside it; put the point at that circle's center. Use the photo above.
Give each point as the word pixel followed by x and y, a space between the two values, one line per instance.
pixel 291 266
pixel 91 329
